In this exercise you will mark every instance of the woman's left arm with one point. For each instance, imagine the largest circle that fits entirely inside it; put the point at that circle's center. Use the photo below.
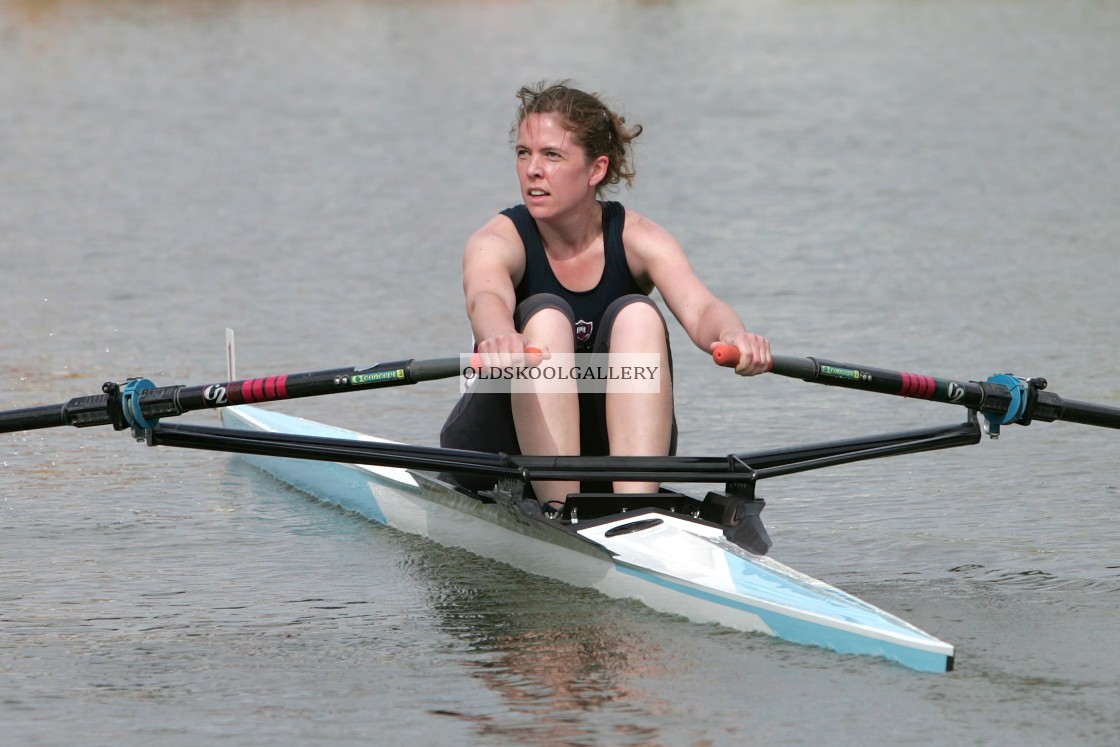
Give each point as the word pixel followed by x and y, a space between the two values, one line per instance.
pixel 657 258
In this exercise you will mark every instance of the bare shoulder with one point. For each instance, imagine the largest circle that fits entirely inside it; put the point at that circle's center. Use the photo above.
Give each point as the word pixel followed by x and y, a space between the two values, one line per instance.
pixel 642 230
pixel 651 250
pixel 497 233
pixel 496 244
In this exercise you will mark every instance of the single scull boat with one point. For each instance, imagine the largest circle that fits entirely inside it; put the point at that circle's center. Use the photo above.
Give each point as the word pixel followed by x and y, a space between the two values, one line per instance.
pixel 702 558
pixel 668 550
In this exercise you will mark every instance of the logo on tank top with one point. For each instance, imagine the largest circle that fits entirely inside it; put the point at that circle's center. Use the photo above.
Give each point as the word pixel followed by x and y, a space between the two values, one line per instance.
pixel 583 330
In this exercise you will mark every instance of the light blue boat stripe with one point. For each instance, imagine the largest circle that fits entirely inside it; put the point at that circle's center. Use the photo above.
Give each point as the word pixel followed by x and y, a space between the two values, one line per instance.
pixel 330 479
pixel 801 631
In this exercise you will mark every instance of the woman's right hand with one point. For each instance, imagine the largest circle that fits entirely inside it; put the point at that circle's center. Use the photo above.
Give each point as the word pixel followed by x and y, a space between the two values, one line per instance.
pixel 510 349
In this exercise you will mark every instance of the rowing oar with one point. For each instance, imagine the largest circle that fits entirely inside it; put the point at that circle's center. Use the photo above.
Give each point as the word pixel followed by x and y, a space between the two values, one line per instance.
pixel 139 403
pixel 1002 399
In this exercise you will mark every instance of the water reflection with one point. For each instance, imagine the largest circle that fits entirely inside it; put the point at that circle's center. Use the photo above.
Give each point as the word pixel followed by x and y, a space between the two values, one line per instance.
pixel 566 662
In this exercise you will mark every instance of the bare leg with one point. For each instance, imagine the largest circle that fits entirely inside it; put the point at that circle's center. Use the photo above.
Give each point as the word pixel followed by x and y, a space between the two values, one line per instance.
pixel 547 423
pixel 640 424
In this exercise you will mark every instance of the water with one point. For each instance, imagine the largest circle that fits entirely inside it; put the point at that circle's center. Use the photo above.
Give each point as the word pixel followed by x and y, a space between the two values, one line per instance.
pixel 924 186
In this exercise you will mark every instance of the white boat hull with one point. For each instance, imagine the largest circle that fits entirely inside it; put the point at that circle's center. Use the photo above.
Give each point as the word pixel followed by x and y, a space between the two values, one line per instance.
pixel 667 561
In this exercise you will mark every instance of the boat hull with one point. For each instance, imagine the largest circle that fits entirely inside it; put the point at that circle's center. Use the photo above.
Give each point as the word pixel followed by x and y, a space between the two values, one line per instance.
pixel 671 563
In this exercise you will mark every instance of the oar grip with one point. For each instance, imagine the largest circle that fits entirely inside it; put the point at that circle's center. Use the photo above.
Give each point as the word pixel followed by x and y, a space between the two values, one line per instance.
pixel 783 365
pixel 726 355
pixel 533 356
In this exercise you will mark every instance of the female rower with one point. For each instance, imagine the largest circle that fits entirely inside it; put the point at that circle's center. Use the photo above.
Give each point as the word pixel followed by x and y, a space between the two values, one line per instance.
pixel 567 273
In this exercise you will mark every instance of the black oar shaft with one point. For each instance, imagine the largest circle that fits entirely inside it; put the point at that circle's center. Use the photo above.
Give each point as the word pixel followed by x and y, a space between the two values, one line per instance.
pixel 1052 407
pixel 993 398
pixel 80 412
pixel 29 418
pixel 154 403
pixel 312 384
pixel 899 383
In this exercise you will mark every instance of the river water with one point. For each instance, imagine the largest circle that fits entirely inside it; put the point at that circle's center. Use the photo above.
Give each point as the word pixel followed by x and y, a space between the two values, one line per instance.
pixel 927 186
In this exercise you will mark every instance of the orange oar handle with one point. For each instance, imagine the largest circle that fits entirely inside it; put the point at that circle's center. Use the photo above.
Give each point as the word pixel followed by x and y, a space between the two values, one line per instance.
pixel 726 355
pixel 533 357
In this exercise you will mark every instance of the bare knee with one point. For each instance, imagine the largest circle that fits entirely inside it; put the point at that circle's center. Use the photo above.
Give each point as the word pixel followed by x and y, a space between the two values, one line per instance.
pixel 552 327
pixel 638 322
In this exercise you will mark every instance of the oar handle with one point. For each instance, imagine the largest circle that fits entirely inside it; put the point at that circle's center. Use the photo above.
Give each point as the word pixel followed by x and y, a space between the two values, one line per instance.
pixel 533 356
pixel 783 365
pixel 726 355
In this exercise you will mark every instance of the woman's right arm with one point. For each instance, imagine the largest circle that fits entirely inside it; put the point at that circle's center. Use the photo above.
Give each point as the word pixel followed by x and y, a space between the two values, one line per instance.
pixel 493 263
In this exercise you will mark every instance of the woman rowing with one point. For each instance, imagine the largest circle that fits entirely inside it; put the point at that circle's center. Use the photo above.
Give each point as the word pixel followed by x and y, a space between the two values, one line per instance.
pixel 568 273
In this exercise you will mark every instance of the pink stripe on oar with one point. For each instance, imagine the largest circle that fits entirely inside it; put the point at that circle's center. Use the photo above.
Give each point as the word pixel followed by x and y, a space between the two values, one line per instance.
pixel 262 390
pixel 917 385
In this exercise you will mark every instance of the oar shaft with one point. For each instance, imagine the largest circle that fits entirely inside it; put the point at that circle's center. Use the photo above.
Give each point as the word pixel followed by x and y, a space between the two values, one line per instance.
pixel 152 403
pixel 313 384
pixel 1051 407
pixel 1002 399
pixel 80 412
pixel 30 418
pixel 970 394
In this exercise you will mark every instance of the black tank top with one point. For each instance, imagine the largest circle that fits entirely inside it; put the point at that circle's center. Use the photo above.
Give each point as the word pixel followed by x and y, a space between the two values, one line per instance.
pixel 589 305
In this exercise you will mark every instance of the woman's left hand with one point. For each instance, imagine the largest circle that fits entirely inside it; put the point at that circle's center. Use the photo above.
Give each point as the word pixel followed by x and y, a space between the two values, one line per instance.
pixel 754 352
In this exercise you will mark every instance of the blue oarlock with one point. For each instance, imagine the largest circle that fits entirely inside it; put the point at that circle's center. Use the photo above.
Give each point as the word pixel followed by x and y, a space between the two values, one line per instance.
pixel 130 406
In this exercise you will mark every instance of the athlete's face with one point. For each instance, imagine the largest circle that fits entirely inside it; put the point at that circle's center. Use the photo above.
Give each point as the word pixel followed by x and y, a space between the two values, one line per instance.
pixel 553 168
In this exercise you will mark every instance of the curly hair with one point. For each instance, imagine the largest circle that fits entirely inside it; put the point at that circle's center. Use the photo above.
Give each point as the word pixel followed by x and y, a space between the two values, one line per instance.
pixel 598 130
